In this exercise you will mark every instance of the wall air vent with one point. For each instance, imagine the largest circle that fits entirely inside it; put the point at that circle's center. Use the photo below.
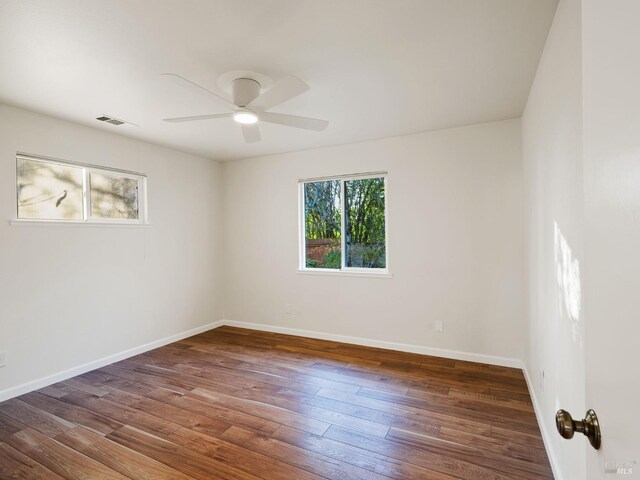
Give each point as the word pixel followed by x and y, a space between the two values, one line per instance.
pixel 112 120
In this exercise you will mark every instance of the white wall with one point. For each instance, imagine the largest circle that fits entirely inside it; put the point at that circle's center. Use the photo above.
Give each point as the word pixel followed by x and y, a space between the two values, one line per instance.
pixel 71 295
pixel 455 242
pixel 552 152
pixel 612 228
pixel 581 148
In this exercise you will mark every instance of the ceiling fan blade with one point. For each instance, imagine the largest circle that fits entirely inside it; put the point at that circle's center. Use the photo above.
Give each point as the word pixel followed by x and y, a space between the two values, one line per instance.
pixel 281 92
pixel 294 121
pixel 194 87
pixel 251 132
pixel 198 117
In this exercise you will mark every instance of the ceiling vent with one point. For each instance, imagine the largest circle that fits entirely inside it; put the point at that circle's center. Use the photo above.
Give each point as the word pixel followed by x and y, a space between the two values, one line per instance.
pixel 112 120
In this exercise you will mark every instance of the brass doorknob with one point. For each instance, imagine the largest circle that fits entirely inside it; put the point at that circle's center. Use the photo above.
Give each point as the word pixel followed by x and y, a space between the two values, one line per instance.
pixel 590 427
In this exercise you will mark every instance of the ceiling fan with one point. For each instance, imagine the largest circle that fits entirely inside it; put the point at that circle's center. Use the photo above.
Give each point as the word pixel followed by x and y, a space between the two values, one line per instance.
pixel 249 106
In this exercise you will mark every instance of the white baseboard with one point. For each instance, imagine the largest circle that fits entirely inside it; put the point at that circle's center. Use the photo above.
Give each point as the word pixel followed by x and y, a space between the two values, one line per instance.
pixel 368 342
pixel 101 362
pixel 546 435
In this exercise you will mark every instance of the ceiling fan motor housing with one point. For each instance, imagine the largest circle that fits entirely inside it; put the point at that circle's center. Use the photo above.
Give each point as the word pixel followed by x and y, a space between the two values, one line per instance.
pixel 244 91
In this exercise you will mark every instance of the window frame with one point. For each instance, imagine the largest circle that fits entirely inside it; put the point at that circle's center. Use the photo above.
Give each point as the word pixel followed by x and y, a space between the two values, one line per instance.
pixel 343 270
pixel 87 170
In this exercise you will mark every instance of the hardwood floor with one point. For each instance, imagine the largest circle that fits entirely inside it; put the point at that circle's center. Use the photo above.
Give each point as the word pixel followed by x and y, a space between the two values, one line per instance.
pixel 242 404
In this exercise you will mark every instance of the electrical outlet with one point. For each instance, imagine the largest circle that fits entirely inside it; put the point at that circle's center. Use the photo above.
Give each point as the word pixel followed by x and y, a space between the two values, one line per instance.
pixel 3 359
pixel 287 308
pixel 439 326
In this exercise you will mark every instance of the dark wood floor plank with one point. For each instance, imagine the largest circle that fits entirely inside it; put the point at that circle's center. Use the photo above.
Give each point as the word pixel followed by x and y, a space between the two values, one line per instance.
pixel 218 378
pixel 505 394
pixel 183 459
pixel 314 382
pixel 475 377
pixel 509 435
pixel 79 383
pixel 494 369
pixel 367 377
pixel 58 458
pixel 232 417
pixel 120 459
pixel 57 390
pixel 377 416
pixel 270 369
pixel 394 415
pixel 358 457
pixel 35 418
pixel 238 404
pixel 185 418
pixel 152 381
pixel 339 374
pixel 488 398
pixel 299 457
pixel 122 414
pixel 323 414
pixel 245 378
pixel 262 410
pixel 491 444
pixel 327 355
pixel 434 376
pixel 97 377
pixel 459 409
pixel 71 413
pixel 479 456
pixel 246 460
pixel 441 459
pixel 16 465
pixel 9 426
pixel 239 352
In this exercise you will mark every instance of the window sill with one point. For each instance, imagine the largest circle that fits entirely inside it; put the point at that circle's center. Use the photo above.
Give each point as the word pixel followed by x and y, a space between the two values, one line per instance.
pixel 72 223
pixel 343 273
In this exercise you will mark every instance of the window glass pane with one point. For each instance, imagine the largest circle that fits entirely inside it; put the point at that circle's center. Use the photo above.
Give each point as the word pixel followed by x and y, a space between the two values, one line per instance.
pixel 365 223
pixel 113 196
pixel 47 191
pixel 322 224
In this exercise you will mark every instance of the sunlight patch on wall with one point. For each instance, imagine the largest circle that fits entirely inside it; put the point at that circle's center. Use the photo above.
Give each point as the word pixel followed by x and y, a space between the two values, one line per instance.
pixel 568 279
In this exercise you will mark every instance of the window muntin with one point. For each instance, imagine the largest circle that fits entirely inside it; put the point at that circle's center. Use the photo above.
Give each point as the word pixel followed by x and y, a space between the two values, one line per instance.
pixel 53 190
pixel 344 224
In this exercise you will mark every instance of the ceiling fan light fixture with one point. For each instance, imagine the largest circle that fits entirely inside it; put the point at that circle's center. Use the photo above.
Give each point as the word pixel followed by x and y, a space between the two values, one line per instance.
pixel 244 117
pixel 251 106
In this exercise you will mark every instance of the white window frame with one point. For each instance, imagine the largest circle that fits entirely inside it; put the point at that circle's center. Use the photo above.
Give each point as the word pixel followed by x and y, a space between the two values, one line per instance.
pixel 343 270
pixel 87 170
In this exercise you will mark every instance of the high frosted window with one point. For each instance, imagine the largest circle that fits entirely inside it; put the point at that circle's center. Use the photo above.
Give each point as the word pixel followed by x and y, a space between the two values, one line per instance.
pixel 57 191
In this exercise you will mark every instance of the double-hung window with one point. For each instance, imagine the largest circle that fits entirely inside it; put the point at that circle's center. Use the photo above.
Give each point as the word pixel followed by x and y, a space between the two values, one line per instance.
pixel 344 224
pixel 53 190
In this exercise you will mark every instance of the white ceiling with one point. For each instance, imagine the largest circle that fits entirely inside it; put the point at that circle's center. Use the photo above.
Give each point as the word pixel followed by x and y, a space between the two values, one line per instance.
pixel 377 68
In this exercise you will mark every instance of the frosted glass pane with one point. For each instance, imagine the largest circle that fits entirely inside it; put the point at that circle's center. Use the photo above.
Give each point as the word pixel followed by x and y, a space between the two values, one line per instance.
pixel 47 191
pixel 113 196
pixel 322 224
pixel 365 223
